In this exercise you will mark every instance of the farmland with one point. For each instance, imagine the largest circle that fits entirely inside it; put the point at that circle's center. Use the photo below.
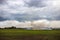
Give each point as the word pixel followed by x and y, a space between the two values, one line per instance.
pixel 17 34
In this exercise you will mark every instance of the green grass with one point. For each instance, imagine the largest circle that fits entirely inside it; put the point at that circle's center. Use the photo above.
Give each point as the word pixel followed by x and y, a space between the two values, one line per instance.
pixel 17 34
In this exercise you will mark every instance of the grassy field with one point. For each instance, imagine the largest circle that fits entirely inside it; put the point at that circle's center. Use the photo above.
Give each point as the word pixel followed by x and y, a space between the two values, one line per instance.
pixel 17 34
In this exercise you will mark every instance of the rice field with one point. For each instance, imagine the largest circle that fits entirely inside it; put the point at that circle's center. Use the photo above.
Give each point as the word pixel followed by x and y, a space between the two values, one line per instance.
pixel 18 34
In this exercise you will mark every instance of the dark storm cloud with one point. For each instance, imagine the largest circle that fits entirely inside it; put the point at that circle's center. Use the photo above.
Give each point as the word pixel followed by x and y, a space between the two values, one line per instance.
pixel 2 1
pixel 57 18
pixel 25 17
pixel 35 3
pixel 3 19
pixel 16 10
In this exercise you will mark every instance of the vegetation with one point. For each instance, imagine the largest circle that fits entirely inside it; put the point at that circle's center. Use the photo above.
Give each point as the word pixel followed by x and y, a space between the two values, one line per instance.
pixel 18 34
pixel 10 27
pixel 56 29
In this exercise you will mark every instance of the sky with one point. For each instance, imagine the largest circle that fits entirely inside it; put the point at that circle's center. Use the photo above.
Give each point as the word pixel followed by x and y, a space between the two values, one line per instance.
pixel 16 12
pixel 27 10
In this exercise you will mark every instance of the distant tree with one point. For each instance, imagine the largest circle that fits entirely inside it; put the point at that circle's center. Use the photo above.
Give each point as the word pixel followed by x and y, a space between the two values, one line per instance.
pixel 13 27
pixel 56 29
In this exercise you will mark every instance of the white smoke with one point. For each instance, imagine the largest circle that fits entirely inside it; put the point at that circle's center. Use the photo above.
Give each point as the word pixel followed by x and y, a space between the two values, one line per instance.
pixel 28 24
pixel 21 24
pixel 41 23
pixel 55 24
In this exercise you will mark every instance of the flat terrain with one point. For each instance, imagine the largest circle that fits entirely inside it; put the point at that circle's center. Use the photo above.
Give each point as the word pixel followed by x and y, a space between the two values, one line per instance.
pixel 17 34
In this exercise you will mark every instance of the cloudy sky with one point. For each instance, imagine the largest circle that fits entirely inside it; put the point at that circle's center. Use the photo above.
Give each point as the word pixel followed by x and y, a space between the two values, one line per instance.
pixel 23 10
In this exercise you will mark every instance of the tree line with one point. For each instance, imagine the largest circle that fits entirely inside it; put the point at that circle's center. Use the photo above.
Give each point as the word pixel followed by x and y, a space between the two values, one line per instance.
pixel 13 27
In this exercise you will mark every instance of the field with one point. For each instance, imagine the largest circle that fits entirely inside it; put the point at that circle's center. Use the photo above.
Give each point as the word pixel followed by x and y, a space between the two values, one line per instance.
pixel 17 34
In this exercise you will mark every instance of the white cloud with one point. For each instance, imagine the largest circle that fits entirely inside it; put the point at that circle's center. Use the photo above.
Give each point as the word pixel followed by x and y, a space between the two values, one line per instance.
pixel 28 24
pixel 18 5
pixel 51 10
pixel 10 23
